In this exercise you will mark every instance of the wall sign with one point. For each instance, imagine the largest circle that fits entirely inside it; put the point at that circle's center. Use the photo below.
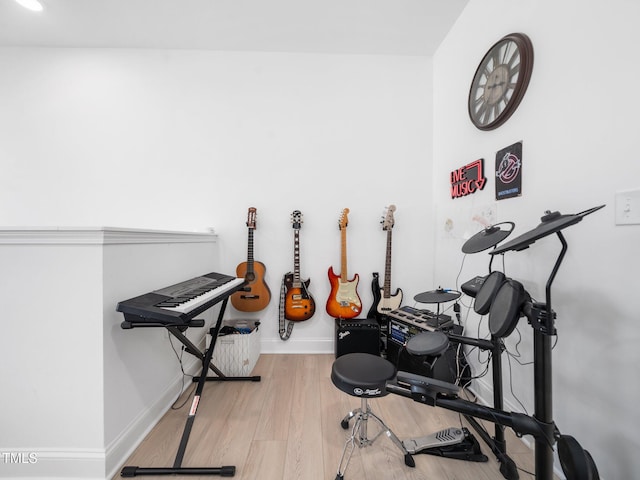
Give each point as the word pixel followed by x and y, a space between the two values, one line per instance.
pixel 468 179
pixel 509 172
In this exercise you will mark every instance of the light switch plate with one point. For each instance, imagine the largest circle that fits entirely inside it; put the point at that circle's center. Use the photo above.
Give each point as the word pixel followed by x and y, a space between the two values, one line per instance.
pixel 628 207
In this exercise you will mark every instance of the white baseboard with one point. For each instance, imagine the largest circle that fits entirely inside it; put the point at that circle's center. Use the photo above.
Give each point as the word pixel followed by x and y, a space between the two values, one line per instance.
pixel 305 345
pixel 44 464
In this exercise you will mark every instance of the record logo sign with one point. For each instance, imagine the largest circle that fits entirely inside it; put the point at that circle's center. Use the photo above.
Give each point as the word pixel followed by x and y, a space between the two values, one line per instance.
pixel 468 179
pixel 509 172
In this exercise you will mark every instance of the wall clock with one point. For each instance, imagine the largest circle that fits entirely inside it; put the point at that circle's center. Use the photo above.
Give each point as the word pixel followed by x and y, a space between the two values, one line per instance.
pixel 500 81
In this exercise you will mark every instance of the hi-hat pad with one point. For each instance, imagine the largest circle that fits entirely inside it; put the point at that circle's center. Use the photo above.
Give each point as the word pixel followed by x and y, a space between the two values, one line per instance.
pixel 437 296
pixel 487 238
pixel 552 222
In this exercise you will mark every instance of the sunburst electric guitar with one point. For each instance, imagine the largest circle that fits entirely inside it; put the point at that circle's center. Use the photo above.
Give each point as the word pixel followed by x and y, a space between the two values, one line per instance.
pixel 256 295
pixel 298 302
pixel 383 301
pixel 343 301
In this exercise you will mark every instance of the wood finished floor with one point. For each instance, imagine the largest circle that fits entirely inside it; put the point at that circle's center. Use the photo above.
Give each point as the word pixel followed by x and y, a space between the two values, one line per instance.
pixel 287 426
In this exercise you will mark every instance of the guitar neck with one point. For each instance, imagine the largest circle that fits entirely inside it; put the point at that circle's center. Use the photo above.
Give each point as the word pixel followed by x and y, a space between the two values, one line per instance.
pixel 297 283
pixel 250 251
pixel 343 264
pixel 386 289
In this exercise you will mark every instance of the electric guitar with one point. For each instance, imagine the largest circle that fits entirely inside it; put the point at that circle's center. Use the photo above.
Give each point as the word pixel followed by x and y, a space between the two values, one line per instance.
pixel 343 301
pixel 256 295
pixel 383 301
pixel 298 302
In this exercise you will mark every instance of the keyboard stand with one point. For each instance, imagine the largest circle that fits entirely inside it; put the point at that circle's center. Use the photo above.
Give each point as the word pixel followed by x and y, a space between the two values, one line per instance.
pixel 205 357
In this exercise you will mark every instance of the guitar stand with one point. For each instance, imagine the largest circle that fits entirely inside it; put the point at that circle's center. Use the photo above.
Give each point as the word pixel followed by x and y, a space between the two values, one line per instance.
pixel 177 331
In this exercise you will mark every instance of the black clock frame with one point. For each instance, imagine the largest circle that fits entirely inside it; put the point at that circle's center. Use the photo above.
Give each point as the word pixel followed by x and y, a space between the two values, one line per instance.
pixel 525 51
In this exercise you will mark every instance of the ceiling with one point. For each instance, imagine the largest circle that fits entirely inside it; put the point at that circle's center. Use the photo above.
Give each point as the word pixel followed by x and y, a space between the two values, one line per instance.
pixel 377 27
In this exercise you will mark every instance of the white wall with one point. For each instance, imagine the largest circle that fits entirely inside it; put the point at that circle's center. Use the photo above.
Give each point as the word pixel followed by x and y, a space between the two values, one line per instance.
pixel 578 123
pixel 84 392
pixel 189 140
pixel 50 355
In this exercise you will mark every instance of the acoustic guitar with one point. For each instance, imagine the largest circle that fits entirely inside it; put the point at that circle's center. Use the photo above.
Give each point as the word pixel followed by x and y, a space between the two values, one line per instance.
pixel 343 301
pixel 256 295
pixel 298 302
pixel 383 301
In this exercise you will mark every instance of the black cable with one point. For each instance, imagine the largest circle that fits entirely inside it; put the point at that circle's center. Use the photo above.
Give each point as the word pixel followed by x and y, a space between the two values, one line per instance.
pixel 479 349
pixel 525 471
pixel 184 375
pixel 480 375
pixel 178 407
pixel 511 386
pixel 519 355
pixel 518 342
pixel 460 272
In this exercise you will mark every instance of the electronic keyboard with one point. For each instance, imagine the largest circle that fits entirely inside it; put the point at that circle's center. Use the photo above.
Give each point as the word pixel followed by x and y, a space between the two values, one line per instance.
pixel 178 304
pixel 175 308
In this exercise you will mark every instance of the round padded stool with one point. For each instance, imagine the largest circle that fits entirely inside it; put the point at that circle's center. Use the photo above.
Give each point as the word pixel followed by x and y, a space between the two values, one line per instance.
pixel 364 375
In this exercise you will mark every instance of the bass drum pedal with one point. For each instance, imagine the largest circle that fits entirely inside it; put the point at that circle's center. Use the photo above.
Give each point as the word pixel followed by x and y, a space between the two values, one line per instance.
pixel 451 442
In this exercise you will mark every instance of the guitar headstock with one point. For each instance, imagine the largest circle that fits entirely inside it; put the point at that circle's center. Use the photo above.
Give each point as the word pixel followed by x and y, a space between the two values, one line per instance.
pixel 251 218
pixel 387 220
pixel 344 220
pixel 296 219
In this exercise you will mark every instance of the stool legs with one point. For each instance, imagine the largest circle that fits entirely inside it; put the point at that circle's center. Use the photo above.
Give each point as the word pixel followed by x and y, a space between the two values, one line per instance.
pixel 359 436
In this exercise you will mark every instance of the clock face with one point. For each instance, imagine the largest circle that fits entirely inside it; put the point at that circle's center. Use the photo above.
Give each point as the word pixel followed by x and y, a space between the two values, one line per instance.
pixel 500 81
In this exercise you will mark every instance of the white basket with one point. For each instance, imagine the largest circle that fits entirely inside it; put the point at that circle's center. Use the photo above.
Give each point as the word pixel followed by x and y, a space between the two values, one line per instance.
pixel 236 354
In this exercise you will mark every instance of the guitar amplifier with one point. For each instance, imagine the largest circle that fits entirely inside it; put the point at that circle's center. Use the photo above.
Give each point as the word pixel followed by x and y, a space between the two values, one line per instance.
pixel 357 335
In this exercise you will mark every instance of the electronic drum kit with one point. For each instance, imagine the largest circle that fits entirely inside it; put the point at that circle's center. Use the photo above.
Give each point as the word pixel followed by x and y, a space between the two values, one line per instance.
pixel 506 301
